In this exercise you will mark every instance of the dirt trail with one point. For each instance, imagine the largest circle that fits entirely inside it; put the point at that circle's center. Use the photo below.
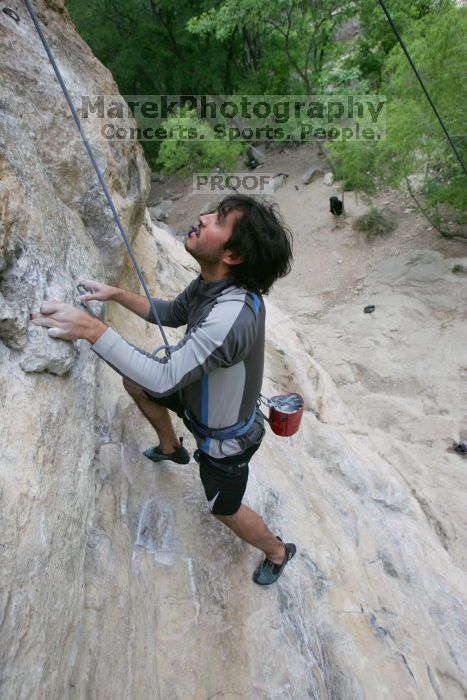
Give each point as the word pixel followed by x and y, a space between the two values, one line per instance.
pixel 331 258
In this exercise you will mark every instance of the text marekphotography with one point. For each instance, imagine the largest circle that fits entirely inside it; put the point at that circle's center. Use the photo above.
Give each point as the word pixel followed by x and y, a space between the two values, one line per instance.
pixel 245 118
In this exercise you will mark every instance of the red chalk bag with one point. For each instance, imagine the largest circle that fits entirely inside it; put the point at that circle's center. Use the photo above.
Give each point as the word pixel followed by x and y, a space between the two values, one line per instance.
pixel 285 413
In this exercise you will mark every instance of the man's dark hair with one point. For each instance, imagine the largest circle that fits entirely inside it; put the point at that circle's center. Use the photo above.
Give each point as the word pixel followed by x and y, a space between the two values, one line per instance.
pixel 261 237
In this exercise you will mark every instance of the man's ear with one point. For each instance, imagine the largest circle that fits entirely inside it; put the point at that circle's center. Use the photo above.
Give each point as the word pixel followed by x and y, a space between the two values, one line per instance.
pixel 230 258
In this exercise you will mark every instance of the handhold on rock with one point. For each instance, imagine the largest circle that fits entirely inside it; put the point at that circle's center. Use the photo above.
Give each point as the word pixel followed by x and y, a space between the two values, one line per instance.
pixel 11 13
pixel 47 354
pixel 13 323
pixel 369 309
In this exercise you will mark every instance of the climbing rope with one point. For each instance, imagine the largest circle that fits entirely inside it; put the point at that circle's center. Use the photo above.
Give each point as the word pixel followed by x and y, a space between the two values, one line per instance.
pixel 99 175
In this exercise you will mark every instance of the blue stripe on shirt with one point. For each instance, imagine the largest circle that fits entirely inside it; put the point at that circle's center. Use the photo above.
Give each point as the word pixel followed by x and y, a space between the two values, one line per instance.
pixel 256 301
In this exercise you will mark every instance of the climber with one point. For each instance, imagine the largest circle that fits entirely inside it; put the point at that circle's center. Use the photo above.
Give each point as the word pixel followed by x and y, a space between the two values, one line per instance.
pixel 213 376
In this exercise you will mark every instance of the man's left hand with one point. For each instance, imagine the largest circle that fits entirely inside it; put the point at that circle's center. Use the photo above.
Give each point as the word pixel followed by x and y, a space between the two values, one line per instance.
pixel 66 322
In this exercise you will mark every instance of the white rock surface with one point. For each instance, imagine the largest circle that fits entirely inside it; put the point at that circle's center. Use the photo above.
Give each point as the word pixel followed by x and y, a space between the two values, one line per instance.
pixel 44 354
pixel 53 228
pixel 117 582
pixel 373 603
pixel 279 181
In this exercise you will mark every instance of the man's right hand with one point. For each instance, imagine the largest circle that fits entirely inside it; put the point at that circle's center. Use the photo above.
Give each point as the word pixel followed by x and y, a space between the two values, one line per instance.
pixel 96 291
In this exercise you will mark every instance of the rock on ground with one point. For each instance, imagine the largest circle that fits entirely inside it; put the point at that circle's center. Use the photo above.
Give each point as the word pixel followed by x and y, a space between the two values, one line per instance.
pixel 313 173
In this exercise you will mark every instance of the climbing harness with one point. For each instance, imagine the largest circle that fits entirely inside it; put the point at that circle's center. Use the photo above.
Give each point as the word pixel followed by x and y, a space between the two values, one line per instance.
pixel 58 75
pixel 285 415
pixel 234 431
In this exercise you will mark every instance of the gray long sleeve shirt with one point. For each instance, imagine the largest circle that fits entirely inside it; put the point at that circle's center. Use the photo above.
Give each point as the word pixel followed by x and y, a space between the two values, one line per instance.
pixel 217 366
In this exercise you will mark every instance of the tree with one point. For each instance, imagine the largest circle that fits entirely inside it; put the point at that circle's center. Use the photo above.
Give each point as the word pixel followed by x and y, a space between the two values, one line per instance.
pixel 203 153
pixel 299 29
pixel 376 38
pixel 415 143
pixel 145 45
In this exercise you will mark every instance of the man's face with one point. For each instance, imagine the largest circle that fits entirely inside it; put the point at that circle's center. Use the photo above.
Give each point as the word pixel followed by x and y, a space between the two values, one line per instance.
pixel 206 243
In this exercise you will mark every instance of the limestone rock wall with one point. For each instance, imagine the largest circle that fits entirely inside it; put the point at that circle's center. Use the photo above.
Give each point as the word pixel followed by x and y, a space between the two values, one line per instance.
pixel 373 604
pixel 54 226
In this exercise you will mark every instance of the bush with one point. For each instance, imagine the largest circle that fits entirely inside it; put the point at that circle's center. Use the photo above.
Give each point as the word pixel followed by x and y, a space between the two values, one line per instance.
pixel 177 155
pixel 415 143
pixel 374 223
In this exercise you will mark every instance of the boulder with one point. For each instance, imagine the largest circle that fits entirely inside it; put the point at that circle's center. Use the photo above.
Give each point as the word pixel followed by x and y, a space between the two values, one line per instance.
pixel 161 211
pixel 45 354
pixel 313 173
pixel 279 180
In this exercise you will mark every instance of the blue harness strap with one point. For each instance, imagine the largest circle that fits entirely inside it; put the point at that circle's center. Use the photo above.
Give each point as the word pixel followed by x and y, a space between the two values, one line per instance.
pixel 233 431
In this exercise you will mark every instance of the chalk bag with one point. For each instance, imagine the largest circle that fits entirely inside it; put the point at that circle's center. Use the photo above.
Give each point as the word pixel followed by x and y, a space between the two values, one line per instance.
pixel 285 413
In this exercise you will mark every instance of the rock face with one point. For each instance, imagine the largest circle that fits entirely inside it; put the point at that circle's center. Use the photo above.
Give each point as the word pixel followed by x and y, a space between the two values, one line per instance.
pixel 54 226
pixel 117 582
pixel 372 604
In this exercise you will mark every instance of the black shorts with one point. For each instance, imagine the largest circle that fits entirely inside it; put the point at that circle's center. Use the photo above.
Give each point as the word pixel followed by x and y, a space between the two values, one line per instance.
pixel 172 402
pixel 224 479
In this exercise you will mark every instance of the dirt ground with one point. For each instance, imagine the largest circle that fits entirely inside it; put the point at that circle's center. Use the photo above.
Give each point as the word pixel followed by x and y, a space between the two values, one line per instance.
pixel 331 258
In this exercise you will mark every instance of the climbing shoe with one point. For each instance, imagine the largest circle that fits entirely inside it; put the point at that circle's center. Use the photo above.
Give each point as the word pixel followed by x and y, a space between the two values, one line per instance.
pixel 180 455
pixel 268 572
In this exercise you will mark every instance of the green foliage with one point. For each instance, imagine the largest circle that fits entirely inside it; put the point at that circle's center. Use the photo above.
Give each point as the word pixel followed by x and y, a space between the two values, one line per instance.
pixel 377 39
pixel 415 142
pixel 296 32
pixel 254 46
pixel 148 49
pixel 249 47
pixel 453 191
pixel 354 162
pixel 266 47
pixel 374 223
pixel 200 155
